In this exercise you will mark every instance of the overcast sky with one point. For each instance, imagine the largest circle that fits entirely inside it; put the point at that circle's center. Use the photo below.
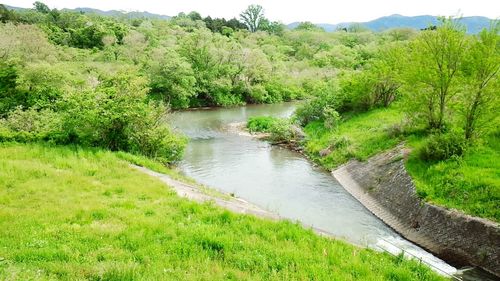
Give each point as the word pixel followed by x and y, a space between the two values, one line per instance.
pixel 286 11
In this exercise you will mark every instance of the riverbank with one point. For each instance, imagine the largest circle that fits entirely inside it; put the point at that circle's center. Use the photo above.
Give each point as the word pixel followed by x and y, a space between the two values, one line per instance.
pixel 70 213
pixel 470 183
pixel 449 234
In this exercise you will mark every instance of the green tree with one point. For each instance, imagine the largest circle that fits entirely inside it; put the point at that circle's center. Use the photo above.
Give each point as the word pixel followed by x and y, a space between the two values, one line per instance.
pixel 432 71
pixel 9 96
pixel 194 16
pixel 7 15
pixel 480 96
pixel 41 7
pixel 307 25
pixel 252 17
pixel 172 78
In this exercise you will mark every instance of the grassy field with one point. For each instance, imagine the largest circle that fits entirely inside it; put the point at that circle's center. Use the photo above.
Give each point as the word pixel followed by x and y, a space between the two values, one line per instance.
pixel 78 214
pixel 470 184
pixel 360 137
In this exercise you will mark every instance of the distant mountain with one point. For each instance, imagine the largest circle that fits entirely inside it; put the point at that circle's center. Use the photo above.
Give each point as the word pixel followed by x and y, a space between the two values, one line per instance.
pixel 473 24
pixel 116 13
pixel 111 13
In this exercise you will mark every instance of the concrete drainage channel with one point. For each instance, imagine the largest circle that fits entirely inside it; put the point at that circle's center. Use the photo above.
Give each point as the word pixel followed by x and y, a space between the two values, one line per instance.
pixel 393 249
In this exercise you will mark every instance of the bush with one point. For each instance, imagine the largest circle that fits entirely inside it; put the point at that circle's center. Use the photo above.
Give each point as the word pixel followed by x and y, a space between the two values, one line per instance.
pixel 114 116
pixel 443 146
pixel 32 125
pixel 326 100
pixel 331 118
pixel 261 124
pixel 280 129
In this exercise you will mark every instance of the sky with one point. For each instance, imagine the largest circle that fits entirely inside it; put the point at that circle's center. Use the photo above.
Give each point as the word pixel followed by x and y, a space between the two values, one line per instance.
pixel 287 11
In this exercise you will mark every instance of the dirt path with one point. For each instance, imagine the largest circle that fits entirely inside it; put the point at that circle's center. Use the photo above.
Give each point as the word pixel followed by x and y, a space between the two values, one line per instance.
pixel 192 192
pixel 234 204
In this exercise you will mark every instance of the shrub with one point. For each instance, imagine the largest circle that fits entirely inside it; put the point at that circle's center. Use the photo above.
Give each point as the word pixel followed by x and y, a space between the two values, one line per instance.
pixel 114 116
pixel 331 118
pixel 443 146
pixel 260 123
pixel 326 99
pixel 280 129
pixel 32 125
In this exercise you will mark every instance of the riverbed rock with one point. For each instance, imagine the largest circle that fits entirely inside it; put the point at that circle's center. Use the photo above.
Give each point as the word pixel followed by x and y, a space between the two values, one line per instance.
pixel 384 187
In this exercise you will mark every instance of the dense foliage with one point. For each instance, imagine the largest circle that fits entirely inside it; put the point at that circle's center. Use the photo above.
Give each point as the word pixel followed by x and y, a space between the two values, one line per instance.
pixel 77 78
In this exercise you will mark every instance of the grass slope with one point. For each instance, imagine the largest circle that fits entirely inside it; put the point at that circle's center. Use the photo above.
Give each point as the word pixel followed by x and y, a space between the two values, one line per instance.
pixel 75 214
pixel 470 184
pixel 360 137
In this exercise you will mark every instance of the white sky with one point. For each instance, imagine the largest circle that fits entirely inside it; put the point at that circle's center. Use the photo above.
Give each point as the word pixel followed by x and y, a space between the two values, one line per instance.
pixel 286 11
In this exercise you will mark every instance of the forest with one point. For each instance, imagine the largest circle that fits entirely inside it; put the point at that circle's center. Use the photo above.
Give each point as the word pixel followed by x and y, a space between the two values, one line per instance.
pixel 119 76
pixel 81 80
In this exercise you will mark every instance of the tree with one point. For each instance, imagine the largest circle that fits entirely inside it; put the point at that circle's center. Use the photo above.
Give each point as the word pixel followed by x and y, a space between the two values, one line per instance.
pixel 385 71
pixel 7 15
pixel 194 16
pixel 274 27
pixel 172 78
pixel 41 7
pixel 432 70
pixel 356 28
pixel 134 46
pixel 307 25
pixel 25 42
pixel 252 17
pixel 480 96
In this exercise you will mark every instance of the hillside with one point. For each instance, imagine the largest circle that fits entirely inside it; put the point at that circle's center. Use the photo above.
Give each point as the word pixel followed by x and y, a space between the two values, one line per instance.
pixel 75 214
pixel 473 24
pixel 110 13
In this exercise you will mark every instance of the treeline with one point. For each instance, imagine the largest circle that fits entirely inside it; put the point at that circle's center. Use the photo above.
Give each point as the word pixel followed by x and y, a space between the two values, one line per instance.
pixel 76 78
pixel 192 61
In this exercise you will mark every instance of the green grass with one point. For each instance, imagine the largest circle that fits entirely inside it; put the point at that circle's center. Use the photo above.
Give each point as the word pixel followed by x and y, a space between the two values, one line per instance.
pixel 470 183
pixel 360 137
pixel 79 214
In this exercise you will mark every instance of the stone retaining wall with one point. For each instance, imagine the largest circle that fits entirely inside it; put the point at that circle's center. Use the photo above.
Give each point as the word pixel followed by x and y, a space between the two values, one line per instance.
pixel 383 186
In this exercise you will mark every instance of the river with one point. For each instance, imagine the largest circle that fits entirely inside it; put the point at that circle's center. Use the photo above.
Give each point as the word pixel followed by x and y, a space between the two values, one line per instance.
pixel 283 181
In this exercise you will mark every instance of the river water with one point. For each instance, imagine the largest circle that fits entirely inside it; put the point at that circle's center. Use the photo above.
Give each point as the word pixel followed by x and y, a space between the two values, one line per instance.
pixel 282 181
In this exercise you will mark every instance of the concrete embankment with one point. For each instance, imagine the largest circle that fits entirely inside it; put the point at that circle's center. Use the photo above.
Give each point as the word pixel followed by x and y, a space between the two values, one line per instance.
pixel 384 187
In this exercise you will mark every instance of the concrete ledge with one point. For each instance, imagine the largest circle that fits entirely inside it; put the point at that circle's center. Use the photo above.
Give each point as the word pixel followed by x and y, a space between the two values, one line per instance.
pixel 384 187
